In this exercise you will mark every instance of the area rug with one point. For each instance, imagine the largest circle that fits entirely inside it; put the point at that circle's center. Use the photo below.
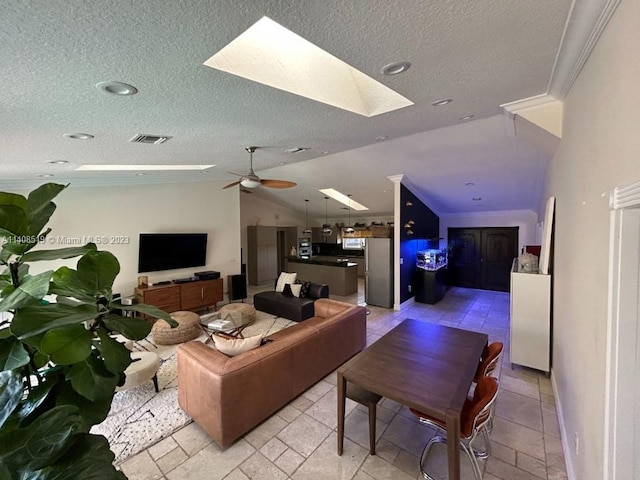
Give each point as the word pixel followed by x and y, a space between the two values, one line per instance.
pixel 140 417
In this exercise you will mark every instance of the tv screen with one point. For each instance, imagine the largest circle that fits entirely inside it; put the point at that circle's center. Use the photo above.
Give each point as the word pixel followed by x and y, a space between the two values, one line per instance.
pixel 168 251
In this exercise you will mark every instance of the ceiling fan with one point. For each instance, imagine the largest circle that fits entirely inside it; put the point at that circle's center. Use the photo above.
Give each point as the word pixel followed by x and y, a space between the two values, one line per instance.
pixel 251 180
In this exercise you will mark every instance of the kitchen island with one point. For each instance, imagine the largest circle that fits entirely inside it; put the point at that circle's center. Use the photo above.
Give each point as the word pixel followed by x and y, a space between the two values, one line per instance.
pixel 341 276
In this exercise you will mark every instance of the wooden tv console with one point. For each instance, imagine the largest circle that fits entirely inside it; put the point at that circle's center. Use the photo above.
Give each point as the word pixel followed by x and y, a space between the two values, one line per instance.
pixel 182 296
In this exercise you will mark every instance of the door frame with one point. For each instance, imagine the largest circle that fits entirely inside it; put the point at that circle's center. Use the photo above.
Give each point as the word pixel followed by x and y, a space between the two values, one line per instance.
pixel 622 332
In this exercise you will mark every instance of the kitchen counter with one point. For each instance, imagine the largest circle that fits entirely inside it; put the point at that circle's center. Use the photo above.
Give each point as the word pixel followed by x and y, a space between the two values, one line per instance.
pixel 325 260
pixel 341 276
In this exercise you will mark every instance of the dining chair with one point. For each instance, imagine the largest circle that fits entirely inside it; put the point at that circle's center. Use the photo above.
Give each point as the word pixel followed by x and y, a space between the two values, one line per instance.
pixel 369 400
pixel 474 417
pixel 489 360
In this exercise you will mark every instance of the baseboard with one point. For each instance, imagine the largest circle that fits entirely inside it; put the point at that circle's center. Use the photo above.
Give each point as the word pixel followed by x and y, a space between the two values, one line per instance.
pixel 406 303
pixel 564 435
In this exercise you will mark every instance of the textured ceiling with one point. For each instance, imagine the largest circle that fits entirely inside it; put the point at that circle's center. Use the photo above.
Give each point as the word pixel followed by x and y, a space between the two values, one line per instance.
pixel 481 54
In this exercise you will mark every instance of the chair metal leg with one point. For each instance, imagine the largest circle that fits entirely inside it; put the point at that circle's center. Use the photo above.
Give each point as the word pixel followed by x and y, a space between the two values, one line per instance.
pixel 475 466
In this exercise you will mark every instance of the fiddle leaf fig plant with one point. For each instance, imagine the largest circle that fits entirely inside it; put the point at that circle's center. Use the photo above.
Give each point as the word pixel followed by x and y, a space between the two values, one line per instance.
pixel 59 361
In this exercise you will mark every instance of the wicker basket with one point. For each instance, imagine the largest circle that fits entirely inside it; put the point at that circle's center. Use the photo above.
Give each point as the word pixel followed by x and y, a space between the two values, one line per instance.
pixel 381 231
pixel 188 328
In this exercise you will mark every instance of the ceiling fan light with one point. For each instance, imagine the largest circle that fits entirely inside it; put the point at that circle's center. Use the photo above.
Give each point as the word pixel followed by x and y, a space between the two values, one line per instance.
pixel 326 231
pixel 350 230
pixel 250 183
pixel 306 231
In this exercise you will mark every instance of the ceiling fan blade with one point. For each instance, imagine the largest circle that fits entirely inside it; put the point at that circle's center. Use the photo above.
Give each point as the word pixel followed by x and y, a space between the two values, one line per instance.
pixel 277 183
pixel 232 184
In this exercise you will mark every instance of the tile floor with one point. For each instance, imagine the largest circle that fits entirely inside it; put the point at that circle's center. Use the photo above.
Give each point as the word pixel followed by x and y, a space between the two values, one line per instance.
pixel 299 441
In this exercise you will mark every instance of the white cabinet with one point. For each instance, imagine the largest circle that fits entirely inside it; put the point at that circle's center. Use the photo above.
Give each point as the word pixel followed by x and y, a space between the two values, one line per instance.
pixel 530 319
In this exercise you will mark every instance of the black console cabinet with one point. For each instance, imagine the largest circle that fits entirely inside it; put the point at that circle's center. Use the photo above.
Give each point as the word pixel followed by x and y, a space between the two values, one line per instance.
pixel 429 285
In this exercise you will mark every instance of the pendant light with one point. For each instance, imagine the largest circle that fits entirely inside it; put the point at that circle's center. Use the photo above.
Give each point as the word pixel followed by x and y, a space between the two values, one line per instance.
pixel 349 228
pixel 326 228
pixel 307 230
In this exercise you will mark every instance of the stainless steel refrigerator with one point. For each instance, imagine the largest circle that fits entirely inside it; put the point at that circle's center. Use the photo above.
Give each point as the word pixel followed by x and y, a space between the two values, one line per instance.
pixel 378 257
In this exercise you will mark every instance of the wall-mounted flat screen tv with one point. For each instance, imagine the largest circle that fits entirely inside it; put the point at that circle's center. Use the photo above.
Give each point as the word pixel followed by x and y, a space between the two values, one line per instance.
pixel 169 251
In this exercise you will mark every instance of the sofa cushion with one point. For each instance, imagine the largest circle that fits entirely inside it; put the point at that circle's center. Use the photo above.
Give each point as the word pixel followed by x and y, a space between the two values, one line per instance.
pixel 296 289
pixel 283 279
pixel 235 346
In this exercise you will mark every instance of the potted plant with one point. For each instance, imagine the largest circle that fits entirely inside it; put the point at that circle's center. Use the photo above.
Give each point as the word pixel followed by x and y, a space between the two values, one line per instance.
pixel 59 363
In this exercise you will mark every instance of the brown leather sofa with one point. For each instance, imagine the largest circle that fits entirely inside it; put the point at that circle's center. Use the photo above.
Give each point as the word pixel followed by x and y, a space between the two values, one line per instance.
pixel 228 396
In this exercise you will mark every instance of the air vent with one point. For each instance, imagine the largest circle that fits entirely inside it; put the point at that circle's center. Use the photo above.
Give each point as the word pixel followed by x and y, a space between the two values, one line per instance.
pixel 153 139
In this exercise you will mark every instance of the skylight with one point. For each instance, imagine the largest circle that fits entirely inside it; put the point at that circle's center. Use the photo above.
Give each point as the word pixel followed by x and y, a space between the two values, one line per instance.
pixel 270 54
pixel 344 199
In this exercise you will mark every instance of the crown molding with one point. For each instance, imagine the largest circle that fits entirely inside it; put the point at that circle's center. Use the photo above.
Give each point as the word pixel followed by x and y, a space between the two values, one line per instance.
pixel 535 101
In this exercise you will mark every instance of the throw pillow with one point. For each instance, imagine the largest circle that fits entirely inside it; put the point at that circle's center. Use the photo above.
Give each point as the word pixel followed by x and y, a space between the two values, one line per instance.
pixel 286 291
pixel 304 291
pixel 236 346
pixel 296 289
pixel 285 278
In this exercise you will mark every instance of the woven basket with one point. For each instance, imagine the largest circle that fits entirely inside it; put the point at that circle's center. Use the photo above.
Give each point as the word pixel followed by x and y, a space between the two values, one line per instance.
pixel 188 328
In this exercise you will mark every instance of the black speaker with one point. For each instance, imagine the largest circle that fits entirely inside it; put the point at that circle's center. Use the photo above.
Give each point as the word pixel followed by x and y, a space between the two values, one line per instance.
pixel 237 287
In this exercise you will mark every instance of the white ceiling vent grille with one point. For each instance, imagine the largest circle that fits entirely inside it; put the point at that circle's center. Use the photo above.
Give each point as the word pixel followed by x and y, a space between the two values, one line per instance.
pixel 153 139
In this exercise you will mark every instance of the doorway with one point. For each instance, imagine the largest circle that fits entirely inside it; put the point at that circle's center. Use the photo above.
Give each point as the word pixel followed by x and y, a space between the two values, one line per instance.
pixel 282 250
pixel 622 395
pixel 482 257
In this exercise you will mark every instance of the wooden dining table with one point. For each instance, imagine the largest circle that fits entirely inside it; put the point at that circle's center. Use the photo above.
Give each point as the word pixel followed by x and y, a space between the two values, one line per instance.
pixel 423 366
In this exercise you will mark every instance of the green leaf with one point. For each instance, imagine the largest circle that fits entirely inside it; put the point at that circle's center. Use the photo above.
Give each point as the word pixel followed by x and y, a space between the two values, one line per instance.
pixel 12 354
pixel 58 253
pixel 92 380
pixel 97 271
pixel 67 345
pixel 65 282
pixel 13 224
pixel 115 355
pixel 42 442
pixel 150 310
pixel 92 412
pixel 14 199
pixel 132 328
pixel 10 394
pixel 40 197
pixel 35 319
pixel 88 458
pixel 36 397
pixel 33 289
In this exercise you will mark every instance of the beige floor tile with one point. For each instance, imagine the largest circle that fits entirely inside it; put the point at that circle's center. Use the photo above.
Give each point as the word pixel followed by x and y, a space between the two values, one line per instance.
pixel 550 422
pixel 289 461
pixel 304 434
pixel 316 392
pixel 518 437
pixel 257 466
pixel 213 463
pixel 380 469
pixel 288 413
pixel 387 450
pixel 409 464
pixel 504 471
pixel 519 409
pixel 161 448
pixel 141 467
pixel 171 460
pixel 356 428
pixel 192 438
pixel 273 449
pixel 301 403
pixel 520 386
pixel 363 476
pixel 325 464
pixel 516 371
pixel 407 434
pixel 325 409
pixel 236 475
pixel 532 465
pixel 265 431
pixel 501 452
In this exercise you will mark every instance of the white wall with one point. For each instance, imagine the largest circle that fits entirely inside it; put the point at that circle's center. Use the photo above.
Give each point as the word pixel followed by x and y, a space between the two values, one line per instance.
pixel 600 149
pixel 525 219
pixel 131 210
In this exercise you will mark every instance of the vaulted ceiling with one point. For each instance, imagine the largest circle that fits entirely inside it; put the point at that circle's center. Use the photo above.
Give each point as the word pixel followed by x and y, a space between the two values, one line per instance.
pixel 480 54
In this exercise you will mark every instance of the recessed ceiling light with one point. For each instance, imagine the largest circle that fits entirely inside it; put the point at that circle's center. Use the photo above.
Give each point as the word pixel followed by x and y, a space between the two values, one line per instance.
pixel 386 190
pixel 476 199
pixel 78 136
pixel 296 149
pixel 57 162
pixel 140 174
pixel 45 175
pixel 282 163
pixel 444 101
pixel 469 184
pixel 325 152
pixel 130 168
pixel 272 55
pixel 395 68
pixel 381 137
pixel 466 117
pixel 117 88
